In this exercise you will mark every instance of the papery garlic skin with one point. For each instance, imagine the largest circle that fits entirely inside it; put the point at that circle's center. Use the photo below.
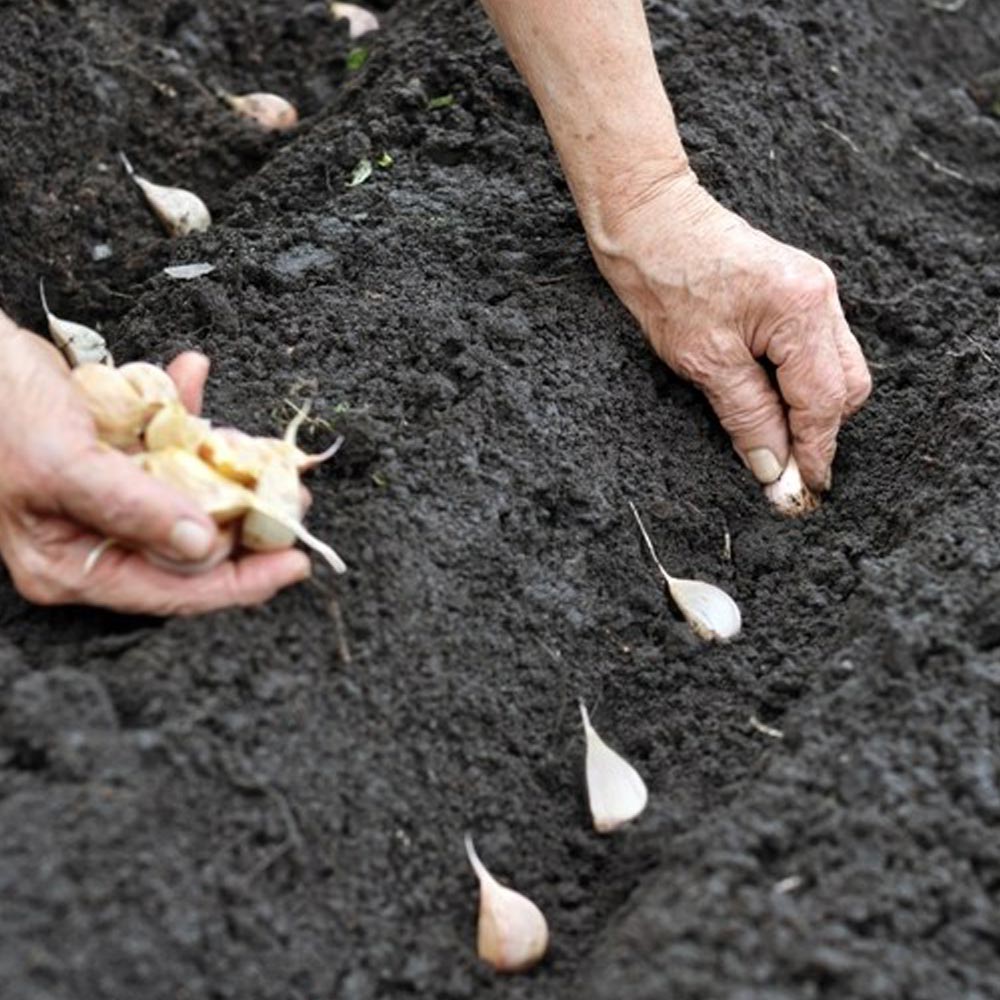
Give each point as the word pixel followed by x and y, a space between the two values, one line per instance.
pixel 615 791
pixel 79 344
pixel 180 211
pixel 512 933
pixel 789 494
pixel 269 111
pixel 360 20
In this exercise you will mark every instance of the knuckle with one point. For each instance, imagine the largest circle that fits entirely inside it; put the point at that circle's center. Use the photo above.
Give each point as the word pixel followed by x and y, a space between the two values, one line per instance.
pixel 807 281
pixel 704 358
pixel 861 389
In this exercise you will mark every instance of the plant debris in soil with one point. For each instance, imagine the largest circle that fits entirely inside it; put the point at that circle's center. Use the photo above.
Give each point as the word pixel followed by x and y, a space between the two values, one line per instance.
pixel 271 803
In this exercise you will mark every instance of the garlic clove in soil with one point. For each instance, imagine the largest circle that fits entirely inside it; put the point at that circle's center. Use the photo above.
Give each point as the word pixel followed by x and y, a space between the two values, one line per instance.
pixel 614 789
pixel 79 344
pixel 709 610
pixel 269 111
pixel 789 495
pixel 360 20
pixel 512 934
pixel 180 211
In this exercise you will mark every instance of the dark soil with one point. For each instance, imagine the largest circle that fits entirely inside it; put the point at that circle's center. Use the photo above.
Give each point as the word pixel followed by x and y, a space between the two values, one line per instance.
pixel 271 803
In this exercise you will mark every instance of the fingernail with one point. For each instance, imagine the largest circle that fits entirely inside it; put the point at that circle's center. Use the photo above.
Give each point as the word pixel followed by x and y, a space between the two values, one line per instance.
pixel 765 467
pixel 190 540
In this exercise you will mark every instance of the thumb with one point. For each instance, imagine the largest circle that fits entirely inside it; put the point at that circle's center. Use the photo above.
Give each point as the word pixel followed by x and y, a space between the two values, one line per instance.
pixel 104 490
pixel 746 403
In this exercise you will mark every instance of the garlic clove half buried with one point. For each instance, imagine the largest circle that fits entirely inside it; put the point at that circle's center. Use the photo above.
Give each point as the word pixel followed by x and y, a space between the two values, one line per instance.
pixel 709 610
pixel 268 111
pixel 512 934
pixel 789 494
pixel 180 211
pixel 360 20
pixel 79 344
pixel 614 789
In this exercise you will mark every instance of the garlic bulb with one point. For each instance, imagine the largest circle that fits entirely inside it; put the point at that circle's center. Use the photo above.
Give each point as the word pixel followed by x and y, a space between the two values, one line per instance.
pixel 614 789
pixel 512 934
pixel 789 494
pixel 80 345
pixel 180 211
pixel 360 21
pixel 269 111
pixel 710 611
pixel 118 411
pixel 278 487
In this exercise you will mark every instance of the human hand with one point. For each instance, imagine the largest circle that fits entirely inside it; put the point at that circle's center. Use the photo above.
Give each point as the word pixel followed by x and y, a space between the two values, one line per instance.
pixel 714 297
pixel 62 492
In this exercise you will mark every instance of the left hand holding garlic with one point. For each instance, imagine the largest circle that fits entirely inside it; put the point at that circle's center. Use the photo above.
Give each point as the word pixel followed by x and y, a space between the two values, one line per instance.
pixel 62 491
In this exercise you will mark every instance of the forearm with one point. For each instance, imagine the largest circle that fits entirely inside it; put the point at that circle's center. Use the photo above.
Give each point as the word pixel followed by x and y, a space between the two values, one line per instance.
pixel 590 67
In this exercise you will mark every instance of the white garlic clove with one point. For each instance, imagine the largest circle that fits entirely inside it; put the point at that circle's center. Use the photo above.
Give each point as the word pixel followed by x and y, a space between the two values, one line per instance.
pixel 710 611
pixel 118 411
pixel 79 344
pixel 220 498
pixel 789 495
pixel 360 20
pixel 180 211
pixel 512 934
pixel 278 488
pixel 174 427
pixel 154 386
pixel 269 111
pixel 614 789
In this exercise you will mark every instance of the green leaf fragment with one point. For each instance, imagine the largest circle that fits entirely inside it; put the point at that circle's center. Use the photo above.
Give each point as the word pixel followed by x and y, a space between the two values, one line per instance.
pixel 384 161
pixel 444 101
pixel 356 58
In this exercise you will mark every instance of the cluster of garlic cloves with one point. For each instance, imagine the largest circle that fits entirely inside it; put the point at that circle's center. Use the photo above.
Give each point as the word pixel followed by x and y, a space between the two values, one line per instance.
pixel 242 482
pixel 709 610
pixel 180 211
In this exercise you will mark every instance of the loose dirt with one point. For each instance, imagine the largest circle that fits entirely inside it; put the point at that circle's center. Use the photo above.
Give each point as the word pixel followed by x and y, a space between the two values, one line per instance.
pixel 271 803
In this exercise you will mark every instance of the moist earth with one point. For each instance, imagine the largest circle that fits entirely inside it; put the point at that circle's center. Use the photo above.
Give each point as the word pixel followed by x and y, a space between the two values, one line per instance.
pixel 270 803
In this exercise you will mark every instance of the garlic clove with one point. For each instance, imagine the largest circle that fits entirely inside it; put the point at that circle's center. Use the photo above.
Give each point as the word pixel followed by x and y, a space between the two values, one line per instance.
pixel 614 789
pixel 710 611
pixel 789 494
pixel 360 20
pixel 269 111
pixel 278 488
pixel 118 411
pixel 154 386
pixel 180 211
pixel 512 934
pixel 220 498
pixel 173 427
pixel 79 344
pixel 235 455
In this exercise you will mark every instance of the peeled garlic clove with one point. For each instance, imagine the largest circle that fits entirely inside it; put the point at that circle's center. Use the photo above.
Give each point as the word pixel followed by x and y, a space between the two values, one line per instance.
pixel 235 455
pixel 512 934
pixel 789 495
pixel 359 20
pixel 614 789
pixel 278 488
pixel 180 211
pixel 220 498
pixel 174 427
pixel 271 112
pixel 80 345
pixel 710 611
pixel 118 411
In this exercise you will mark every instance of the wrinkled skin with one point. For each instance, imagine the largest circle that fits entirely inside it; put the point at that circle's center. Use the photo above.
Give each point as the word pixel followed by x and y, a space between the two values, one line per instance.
pixel 63 491
pixel 714 297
